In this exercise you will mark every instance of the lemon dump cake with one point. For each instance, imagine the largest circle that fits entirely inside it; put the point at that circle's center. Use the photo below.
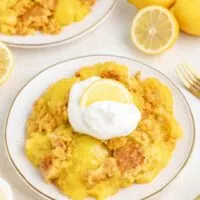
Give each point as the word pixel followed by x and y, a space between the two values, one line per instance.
pixel 23 17
pixel 100 162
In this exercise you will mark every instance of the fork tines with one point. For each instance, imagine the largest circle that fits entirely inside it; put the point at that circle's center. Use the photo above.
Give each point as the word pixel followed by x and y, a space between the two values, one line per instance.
pixel 190 78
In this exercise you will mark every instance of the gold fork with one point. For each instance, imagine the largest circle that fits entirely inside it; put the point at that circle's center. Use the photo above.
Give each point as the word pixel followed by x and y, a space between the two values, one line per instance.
pixel 198 198
pixel 190 78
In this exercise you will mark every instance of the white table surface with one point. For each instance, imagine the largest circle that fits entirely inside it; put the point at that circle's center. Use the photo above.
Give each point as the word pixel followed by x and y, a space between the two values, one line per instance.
pixel 112 37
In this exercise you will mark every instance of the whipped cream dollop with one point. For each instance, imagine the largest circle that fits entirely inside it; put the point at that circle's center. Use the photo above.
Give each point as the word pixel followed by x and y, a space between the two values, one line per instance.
pixel 103 119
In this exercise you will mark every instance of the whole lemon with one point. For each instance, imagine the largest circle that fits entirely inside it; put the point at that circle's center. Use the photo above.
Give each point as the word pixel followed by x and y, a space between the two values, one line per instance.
pixel 143 3
pixel 187 13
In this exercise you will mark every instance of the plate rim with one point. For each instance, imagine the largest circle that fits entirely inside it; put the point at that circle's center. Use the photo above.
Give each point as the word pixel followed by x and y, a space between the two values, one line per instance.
pixel 67 40
pixel 35 190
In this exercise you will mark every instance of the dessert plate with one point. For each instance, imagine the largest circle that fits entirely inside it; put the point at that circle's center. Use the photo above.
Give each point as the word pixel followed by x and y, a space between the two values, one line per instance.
pixel 99 12
pixel 22 105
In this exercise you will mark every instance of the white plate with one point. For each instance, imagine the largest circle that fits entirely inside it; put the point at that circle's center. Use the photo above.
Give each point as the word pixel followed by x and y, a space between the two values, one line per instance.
pixel 23 103
pixel 99 12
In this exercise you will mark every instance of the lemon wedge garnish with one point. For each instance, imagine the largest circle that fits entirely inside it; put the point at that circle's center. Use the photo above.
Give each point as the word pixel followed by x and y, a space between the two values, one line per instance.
pixel 105 90
pixel 6 62
pixel 154 29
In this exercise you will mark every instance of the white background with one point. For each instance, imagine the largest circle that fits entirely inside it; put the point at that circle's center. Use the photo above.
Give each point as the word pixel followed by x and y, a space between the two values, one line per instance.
pixel 112 37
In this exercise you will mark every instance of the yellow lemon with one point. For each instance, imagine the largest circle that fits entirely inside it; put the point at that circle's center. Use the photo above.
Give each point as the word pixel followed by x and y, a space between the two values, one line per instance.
pixel 143 3
pixel 106 90
pixel 6 62
pixel 187 13
pixel 154 29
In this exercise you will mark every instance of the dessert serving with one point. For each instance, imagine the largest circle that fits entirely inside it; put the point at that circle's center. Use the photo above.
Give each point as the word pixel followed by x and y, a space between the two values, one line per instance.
pixel 101 130
pixel 24 17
